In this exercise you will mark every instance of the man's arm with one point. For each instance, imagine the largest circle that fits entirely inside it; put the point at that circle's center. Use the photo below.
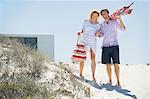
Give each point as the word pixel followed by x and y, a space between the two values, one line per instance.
pixel 99 33
pixel 121 23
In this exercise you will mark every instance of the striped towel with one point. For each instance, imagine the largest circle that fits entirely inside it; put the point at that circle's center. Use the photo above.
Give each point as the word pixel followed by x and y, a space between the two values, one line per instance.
pixel 123 11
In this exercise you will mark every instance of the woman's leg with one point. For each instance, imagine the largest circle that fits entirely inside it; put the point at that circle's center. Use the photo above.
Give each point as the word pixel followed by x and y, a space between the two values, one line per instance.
pixel 93 64
pixel 81 68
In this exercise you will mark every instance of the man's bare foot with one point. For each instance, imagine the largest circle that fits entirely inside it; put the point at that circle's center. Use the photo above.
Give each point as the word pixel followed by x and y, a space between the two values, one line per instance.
pixel 118 83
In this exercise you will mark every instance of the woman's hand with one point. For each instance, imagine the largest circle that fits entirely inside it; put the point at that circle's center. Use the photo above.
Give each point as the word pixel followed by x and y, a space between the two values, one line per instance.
pixel 79 33
pixel 98 34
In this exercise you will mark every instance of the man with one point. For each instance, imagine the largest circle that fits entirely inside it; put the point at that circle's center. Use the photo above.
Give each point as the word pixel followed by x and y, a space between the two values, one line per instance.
pixel 110 47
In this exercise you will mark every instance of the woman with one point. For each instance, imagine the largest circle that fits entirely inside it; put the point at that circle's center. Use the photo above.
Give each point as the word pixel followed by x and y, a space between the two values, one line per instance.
pixel 90 27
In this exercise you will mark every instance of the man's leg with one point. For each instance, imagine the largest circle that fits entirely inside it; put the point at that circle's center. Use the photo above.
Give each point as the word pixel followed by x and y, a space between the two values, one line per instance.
pixel 106 59
pixel 109 72
pixel 116 62
pixel 81 68
pixel 117 70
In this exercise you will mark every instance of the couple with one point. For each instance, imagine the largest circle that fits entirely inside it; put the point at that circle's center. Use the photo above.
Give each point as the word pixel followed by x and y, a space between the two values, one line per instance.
pixel 110 48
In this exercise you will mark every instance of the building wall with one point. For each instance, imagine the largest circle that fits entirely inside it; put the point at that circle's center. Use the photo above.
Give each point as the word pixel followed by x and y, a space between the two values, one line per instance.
pixel 45 43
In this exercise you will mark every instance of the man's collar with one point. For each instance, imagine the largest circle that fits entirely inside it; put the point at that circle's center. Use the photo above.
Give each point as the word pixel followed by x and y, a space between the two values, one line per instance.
pixel 107 22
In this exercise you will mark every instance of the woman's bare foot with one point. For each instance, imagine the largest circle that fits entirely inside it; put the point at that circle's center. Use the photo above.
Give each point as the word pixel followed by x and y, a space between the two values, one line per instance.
pixel 94 79
pixel 110 81
pixel 80 75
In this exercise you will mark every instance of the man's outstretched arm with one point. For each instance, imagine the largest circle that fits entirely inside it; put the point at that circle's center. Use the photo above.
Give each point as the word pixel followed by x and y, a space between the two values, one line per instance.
pixel 121 23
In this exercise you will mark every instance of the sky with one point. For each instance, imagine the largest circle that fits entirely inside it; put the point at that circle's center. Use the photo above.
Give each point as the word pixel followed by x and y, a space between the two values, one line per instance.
pixel 64 18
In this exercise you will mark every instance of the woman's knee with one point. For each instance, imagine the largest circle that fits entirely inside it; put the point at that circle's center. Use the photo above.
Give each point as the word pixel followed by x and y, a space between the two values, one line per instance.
pixel 81 63
pixel 92 55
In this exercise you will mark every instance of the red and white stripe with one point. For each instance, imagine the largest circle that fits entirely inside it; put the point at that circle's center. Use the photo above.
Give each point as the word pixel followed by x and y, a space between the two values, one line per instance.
pixel 79 54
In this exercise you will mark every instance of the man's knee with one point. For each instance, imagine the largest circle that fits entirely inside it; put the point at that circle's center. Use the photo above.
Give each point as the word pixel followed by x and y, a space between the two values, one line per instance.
pixel 108 65
pixel 116 65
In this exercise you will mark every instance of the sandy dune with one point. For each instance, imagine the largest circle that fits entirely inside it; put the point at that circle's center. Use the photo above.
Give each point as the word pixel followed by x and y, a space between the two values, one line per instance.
pixel 135 82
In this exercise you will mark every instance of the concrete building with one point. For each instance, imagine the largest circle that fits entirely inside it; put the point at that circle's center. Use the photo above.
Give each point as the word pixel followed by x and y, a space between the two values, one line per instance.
pixel 43 43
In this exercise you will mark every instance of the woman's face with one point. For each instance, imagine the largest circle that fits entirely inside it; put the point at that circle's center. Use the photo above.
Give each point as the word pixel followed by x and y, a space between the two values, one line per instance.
pixel 94 17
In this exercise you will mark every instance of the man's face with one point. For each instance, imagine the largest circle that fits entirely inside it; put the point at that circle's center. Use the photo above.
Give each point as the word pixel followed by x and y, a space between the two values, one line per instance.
pixel 105 14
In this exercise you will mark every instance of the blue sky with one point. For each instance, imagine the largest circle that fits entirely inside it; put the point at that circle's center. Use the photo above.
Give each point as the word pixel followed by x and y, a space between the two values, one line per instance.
pixel 64 18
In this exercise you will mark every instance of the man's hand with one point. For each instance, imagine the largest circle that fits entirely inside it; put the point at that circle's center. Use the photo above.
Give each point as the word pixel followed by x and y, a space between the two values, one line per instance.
pixel 118 17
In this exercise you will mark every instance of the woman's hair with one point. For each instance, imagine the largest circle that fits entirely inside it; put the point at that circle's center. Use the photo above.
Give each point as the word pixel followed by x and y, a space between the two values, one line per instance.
pixel 104 10
pixel 93 13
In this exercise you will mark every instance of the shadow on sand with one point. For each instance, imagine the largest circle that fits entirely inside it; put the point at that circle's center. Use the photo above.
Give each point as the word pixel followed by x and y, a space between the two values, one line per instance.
pixel 108 87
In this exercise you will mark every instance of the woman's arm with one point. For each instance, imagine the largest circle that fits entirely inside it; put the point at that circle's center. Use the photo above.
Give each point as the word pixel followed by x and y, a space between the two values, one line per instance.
pixel 98 34
pixel 79 33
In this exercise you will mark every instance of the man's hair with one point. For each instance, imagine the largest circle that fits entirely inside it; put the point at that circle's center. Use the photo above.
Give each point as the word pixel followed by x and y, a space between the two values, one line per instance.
pixel 104 10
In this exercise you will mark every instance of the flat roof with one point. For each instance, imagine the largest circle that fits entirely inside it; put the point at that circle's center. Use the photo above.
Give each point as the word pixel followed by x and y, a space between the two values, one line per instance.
pixel 26 35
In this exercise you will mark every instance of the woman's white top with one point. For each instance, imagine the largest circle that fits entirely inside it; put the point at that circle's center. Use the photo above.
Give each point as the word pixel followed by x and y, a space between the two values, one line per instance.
pixel 89 35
